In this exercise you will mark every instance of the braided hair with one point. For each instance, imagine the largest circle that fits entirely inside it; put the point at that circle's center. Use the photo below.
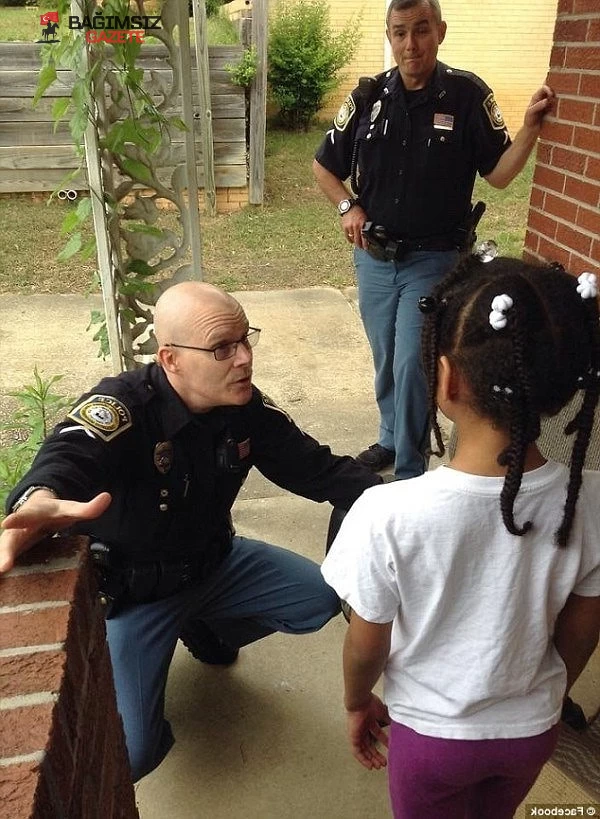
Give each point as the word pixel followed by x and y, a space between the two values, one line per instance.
pixel 545 347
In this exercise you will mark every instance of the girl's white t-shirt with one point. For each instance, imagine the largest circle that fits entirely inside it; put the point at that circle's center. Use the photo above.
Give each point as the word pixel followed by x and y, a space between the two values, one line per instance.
pixel 473 607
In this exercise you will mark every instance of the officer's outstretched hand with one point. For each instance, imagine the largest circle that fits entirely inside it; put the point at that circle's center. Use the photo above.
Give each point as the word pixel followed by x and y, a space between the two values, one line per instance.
pixel 43 515
pixel 541 103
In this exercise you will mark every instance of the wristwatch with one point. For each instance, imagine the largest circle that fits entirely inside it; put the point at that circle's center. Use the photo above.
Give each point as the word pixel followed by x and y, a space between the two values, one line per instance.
pixel 28 493
pixel 345 205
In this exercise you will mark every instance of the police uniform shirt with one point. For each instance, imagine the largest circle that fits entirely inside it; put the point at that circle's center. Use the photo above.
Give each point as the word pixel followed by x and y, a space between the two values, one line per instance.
pixel 413 156
pixel 173 474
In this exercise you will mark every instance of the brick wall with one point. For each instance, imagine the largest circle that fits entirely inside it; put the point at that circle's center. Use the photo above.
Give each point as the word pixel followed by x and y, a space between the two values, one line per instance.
pixel 564 215
pixel 62 752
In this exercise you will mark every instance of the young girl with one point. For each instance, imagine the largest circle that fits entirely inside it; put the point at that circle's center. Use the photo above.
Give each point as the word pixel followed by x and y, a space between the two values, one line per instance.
pixel 475 587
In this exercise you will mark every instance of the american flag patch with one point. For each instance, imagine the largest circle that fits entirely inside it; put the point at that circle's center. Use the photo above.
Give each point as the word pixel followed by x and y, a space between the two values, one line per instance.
pixel 443 122
pixel 244 448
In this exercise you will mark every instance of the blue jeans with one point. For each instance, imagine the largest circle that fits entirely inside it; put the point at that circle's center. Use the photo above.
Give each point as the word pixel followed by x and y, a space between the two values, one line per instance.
pixel 388 294
pixel 257 590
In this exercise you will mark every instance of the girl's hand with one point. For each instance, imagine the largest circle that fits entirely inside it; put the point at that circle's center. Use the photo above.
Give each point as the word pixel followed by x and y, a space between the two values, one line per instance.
pixel 365 730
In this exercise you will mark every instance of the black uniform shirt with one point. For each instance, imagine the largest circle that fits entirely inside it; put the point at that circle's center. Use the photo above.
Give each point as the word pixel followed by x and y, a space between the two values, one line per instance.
pixel 413 156
pixel 174 475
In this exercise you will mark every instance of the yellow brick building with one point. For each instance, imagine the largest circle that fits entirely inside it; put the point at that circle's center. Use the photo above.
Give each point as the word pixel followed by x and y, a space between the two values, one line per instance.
pixel 508 44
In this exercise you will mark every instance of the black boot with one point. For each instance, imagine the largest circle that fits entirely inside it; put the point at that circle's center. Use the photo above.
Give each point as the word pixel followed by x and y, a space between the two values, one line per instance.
pixel 206 646
pixel 376 457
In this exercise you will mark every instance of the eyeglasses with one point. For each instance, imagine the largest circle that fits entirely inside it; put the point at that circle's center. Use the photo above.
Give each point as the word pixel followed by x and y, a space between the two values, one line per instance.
pixel 224 351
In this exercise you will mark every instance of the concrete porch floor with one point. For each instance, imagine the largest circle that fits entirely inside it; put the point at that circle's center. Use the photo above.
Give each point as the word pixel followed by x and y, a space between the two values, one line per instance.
pixel 264 739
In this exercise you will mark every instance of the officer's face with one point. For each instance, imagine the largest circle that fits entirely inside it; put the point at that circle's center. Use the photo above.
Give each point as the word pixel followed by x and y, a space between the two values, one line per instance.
pixel 201 381
pixel 414 36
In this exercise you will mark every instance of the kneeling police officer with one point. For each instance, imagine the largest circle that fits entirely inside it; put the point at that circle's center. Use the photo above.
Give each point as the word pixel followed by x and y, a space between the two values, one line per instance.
pixel 148 464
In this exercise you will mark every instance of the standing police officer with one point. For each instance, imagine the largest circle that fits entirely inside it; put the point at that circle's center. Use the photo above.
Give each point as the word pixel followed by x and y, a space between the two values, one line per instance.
pixel 149 464
pixel 411 141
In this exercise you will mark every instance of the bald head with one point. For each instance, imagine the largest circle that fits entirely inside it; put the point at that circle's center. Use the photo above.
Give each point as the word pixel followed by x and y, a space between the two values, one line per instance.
pixel 190 307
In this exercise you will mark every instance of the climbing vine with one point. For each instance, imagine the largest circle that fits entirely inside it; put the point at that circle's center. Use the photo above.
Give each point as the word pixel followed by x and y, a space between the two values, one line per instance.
pixel 134 113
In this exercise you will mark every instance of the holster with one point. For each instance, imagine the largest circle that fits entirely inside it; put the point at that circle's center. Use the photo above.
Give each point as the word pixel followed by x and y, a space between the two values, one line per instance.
pixel 122 583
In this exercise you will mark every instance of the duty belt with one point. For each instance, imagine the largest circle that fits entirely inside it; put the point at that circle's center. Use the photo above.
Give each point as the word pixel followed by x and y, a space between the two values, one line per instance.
pixel 122 582
pixel 386 249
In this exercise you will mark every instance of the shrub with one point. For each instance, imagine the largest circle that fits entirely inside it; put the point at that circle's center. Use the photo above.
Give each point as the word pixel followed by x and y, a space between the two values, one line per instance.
pixel 305 59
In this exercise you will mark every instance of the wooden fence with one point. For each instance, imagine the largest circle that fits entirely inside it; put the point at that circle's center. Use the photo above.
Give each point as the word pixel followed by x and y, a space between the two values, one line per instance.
pixel 34 157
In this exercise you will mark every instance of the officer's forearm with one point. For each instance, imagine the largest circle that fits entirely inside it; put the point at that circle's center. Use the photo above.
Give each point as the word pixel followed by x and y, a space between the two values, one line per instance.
pixel 513 160
pixel 332 187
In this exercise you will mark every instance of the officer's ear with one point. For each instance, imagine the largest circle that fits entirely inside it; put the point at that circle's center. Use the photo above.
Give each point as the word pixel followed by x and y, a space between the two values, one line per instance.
pixel 442 29
pixel 167 358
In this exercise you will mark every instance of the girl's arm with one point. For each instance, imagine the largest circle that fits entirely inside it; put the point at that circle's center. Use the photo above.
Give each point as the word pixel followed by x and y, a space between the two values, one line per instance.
pixel 366 649
pixel 576 633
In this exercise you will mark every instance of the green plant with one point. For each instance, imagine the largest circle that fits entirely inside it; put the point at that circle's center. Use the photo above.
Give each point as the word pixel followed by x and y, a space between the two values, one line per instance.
pixel 305 58
pixel 37 408
pixel 244 72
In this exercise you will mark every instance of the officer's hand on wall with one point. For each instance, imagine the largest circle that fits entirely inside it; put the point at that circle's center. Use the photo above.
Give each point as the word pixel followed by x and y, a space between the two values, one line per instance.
pixel 42 515
pixel 541 104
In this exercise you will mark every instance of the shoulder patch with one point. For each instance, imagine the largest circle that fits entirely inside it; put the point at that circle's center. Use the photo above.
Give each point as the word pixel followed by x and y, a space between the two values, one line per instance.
pixel 492 109
pixel 345 114
pixel 104 415
pixel 270 404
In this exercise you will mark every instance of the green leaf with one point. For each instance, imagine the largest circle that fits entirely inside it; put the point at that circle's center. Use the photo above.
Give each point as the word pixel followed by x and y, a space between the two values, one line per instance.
pixel 59 109
pixel 89 248
pixel 137 170
pixel 140 267
pixel 149 230
pixel 47 77
pixel 71 248
pixel 178 123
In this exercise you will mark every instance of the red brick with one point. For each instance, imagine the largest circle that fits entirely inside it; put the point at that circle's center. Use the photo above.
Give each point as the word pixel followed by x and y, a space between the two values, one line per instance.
pixel 28 673
pixel 544 152
pixel 531 241
pixel 582 57
pixel 589 220
pixel 588 139
pixel 560 207
pixel 542 224
pixel 580 264
pixel 565 7
pixel 30 628
pixel 566 159
pixel 596 251
pixel 593 35
pixel 38 587
pixel 597 117
pixel 52 549
pixel 592 170
pixel 18 784
pixel 589 86
pixel 576 111
pixel 551 252
pixel 583 6
pixel 585 192
pixel 567 30
pixel 536 200
pixel 25 730
pixel 549 178
pixel 558 132
pixel 564 82
pixel 558 57
pixel 574 240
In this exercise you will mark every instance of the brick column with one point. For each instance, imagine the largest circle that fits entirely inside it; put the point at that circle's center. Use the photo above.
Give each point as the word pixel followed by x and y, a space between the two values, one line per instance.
pixel 62 752
pixel 564 215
